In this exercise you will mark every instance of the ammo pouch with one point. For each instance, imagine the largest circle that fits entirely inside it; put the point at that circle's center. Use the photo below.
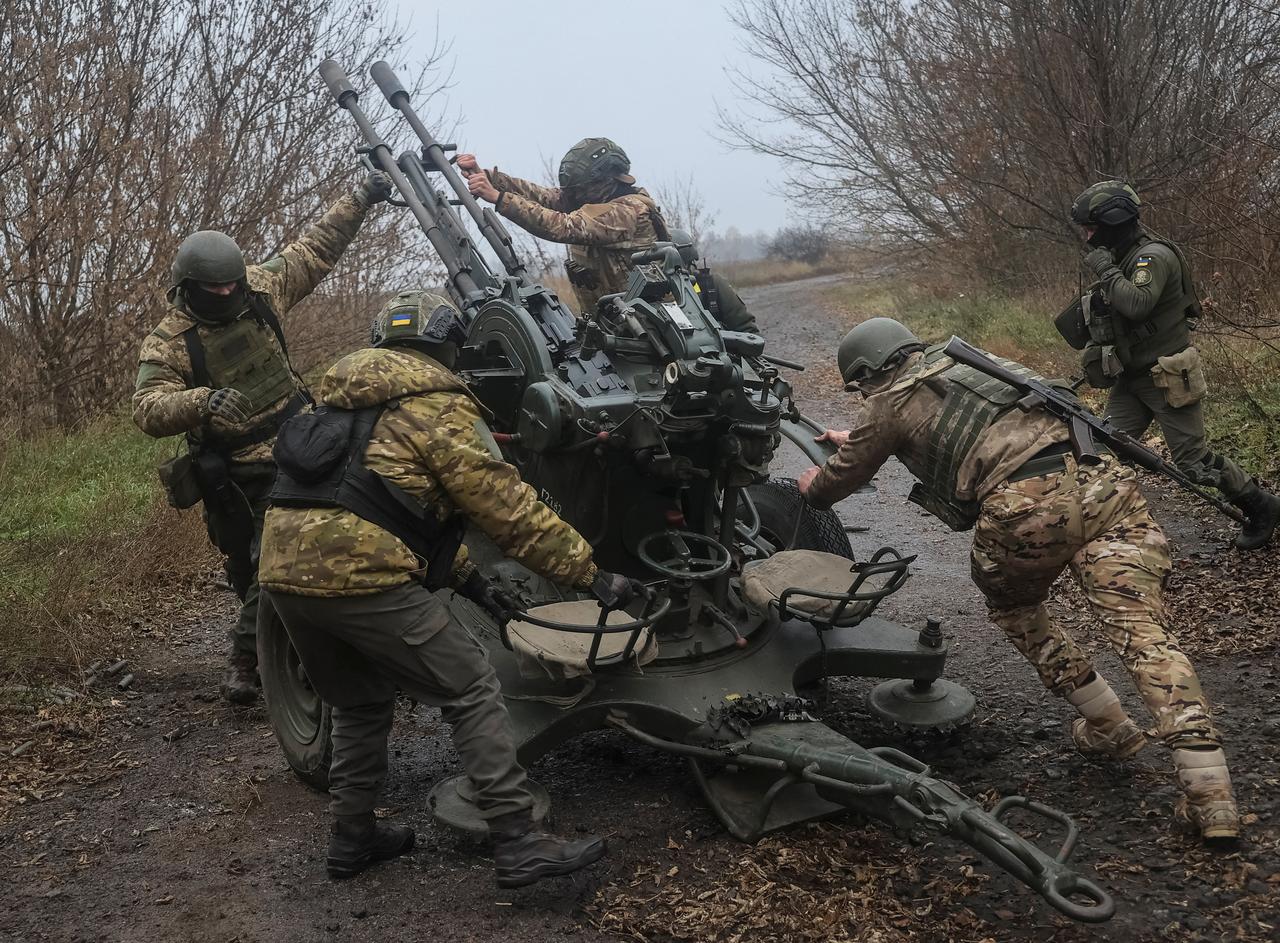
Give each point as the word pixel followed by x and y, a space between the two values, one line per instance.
pixel 580 276
pixel 1101 366
pixel 178 478
pixel 1181 377
pixel 320 464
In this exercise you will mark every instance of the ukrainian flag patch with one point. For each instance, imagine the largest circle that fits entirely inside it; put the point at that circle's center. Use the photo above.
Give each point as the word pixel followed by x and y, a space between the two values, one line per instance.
pixel 402 322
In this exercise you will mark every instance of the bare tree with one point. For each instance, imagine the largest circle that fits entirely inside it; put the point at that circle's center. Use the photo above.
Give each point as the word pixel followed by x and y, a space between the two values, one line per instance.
pixel 964 127
pixel 684 207
pixel 124 128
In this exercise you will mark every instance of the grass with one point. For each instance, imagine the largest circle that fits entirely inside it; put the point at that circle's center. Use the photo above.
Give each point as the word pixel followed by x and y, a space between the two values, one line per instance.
pixel 83 527
pixel 774 271
pixel 1242 410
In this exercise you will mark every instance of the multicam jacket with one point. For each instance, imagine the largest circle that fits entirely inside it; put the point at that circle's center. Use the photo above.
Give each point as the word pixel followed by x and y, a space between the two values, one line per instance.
pixel 167 400
pixel 601 236
pixel 898 419
pixel 429 443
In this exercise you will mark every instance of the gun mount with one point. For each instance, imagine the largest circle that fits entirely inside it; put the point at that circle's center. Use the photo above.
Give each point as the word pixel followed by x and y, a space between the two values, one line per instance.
pixel 652 430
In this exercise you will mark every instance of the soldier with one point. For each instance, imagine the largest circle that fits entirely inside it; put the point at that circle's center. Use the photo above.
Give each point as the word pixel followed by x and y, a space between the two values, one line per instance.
pixel 597 210
pixel 982 461
pixel 356 539
pixel 216 368
pixel 1139 345
pixel 717 292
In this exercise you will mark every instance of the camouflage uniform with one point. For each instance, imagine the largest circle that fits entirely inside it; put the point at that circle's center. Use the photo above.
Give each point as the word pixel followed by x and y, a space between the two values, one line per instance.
pixel 1029 529
pixel 168 401
pixel 601 236
pixel 349 594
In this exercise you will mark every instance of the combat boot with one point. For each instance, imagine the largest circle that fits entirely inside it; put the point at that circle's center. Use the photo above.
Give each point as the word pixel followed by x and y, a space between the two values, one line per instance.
pixel 1103 728
pixel 357 842
pixel 1262 514
pixel 241 685
pixel 522 856
pixel 1211 804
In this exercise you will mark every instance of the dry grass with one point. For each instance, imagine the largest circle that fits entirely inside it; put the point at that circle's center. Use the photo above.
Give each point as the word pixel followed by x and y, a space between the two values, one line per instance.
pixel 87 546
pixel 773 271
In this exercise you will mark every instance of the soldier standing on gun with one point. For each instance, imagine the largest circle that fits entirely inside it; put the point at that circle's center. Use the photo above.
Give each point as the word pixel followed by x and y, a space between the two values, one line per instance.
pixel 982 463
pixel 217 369
pixel 1135 329
pixel 598 210
pixel 356 540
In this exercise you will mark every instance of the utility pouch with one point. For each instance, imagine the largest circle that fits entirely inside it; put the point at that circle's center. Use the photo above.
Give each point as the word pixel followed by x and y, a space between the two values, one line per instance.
pixel 1181 377
pixel 178 478
pixel 1101 366
pixel 1071 323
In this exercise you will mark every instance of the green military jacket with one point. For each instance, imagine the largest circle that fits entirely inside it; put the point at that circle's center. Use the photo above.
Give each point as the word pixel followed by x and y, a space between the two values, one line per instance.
pixel 1149 293
pixel 167 400
pixel 430 444
pixel 730 310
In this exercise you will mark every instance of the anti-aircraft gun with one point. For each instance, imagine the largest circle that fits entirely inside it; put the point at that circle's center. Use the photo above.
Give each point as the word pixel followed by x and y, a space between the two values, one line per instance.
pixel 652 430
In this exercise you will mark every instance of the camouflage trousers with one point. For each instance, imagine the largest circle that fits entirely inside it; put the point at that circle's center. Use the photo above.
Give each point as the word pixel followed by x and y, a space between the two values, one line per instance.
pixel 1094 520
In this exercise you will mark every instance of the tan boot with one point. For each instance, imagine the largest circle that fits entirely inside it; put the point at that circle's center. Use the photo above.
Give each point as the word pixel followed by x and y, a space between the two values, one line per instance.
pixel 1210 801
pixel 1104 729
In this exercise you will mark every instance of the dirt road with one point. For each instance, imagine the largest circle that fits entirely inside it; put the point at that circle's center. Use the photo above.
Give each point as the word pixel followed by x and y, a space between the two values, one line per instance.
pixel 167 816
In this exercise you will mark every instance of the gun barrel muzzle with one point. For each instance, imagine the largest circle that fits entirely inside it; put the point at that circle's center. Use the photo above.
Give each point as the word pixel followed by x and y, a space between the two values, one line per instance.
pixel 339 85
pixel 387 82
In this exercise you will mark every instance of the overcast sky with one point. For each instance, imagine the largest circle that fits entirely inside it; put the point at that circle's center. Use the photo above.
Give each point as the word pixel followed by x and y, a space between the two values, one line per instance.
pixel 533 78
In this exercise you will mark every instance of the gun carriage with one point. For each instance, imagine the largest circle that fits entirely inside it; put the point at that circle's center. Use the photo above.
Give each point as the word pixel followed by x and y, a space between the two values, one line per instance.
pixel 652 430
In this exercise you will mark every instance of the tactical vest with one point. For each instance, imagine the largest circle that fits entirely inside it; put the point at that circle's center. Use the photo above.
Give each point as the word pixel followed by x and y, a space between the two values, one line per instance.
pixel 972 402
pixel 320 464
pixel 238 355
pixel 596 271
pixel 1139 344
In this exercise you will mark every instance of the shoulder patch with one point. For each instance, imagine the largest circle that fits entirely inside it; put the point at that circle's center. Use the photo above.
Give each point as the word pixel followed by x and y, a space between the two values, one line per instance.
pixel 274 266
pixel 1142 277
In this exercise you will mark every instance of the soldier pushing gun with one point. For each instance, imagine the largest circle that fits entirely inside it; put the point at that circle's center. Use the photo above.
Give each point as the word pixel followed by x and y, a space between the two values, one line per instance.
pixel 1040 497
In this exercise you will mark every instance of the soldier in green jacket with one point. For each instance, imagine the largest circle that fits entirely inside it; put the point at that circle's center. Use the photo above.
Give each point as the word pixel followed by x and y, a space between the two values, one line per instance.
pixel 216 368
pixel 1138 321
pixel 717 292
pixel 597 210
pixel 351 578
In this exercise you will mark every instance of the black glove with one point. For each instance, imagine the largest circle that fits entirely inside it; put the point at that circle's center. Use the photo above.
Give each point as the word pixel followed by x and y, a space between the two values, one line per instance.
pixel 376 188
pixel 229 405
pixel 615 590
pixel 480 590
pixel 1099 260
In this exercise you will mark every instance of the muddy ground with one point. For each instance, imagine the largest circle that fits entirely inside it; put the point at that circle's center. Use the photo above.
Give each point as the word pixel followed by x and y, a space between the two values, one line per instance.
pixel 159 813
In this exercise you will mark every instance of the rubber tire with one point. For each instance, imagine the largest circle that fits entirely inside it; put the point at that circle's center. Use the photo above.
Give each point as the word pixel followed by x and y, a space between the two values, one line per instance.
pixel 778 502
pixel 300 719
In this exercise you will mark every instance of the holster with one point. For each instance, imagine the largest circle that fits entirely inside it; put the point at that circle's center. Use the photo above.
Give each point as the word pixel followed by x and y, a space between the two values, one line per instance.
pixel 1101 366
pixel 227 513
pixel 579 275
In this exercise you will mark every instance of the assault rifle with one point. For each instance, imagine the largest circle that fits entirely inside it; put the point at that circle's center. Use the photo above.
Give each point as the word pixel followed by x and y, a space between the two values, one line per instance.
pixel 1087 430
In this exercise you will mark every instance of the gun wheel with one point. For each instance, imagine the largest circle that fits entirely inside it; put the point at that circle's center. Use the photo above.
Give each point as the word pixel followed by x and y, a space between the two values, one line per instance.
pixel 917 705
pixel 788 523
pixel 300 718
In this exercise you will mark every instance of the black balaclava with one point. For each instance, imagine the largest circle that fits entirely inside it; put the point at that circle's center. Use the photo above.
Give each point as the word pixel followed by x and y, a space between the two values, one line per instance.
pixel 1116 238
pixel 210 306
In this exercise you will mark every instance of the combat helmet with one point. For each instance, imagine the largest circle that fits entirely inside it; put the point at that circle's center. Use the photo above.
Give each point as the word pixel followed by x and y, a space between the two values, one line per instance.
pixel 685 245
pixel 873 345
pixel 207 256
pixel 1109 203
pixel 417 318
pixel 593 160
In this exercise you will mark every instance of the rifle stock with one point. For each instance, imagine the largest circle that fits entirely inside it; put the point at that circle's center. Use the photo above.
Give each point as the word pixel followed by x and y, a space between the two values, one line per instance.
pixel 1086 428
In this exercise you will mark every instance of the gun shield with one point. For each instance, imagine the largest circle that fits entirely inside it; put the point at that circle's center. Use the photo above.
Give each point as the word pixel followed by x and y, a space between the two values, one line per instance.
pixel 1071 323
